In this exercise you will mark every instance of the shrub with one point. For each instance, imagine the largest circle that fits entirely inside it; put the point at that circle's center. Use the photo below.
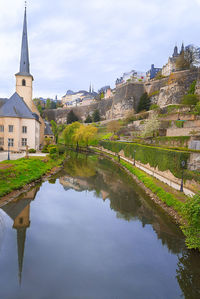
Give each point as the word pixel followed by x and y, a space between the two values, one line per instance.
pixel 32 151
pixel 45 149
pixel 52 149
pixel 192 87
pixel 154 93
pixel 61 149
pixel 190 99
pixel 191 211
pixel 114 137
pixel 197 109
pixel 153 107
pixel 171 108
pixel 179 123
pixel 88 119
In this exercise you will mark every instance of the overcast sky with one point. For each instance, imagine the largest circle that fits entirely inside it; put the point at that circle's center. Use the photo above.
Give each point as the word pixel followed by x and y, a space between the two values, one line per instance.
pixel 74 42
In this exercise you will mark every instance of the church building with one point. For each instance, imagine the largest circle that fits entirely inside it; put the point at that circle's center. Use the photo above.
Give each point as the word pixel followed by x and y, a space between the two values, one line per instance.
pixel 20 121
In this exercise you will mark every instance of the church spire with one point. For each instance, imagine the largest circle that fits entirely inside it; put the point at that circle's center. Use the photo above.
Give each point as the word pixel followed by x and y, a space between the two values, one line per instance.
pixel 21 238
pixel 24 61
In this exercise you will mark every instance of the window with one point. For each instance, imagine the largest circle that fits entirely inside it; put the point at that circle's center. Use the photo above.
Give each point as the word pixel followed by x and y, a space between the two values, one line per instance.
pixel 11 142
pixel 24 141
pixel 10 128
pixel 21 220
pixel 23 82
pixel 1 128
pixel 1 141
pixel 24 129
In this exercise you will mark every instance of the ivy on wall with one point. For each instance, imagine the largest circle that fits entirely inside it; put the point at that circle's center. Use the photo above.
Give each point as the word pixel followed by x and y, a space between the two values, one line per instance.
pixel 164 159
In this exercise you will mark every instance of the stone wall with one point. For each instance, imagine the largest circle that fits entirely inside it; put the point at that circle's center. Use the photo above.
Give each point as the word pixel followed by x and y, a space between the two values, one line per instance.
pixel 125 99
pixel 181 131
pixel 172 88
pixel 167 91
pixel 60 115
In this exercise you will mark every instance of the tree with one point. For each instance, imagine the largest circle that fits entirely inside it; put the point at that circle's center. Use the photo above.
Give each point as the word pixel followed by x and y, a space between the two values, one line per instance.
pixel 192 56
pixel 96 115
pixel 144 103
pixel 88 119
pixel 113 126
pixel 48 104
pixel 71 117
pixel 151 126
pixel 189 58
pixel 55 130
pixel 69 131
pixel 181 62
pixel 89 134
pixel 101 95
pixel 79 134
pixel 53 105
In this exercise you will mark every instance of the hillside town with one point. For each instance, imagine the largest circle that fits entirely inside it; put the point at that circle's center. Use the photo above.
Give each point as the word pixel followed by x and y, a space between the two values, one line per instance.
pixel 96 183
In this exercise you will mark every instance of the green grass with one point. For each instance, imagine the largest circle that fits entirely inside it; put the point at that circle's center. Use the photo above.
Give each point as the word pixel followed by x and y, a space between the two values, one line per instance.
pixel 17 173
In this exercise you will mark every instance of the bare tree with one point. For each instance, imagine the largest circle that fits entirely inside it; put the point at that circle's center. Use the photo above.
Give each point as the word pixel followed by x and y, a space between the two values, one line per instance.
pixel 151 126
pixel 192 55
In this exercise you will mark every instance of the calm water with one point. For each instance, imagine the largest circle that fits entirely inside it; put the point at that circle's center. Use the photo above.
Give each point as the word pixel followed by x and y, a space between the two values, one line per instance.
pixel 92 233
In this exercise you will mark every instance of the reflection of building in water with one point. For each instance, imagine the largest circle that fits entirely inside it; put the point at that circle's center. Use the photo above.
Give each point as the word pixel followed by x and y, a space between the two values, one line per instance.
pixel 77 184
pixel 19 211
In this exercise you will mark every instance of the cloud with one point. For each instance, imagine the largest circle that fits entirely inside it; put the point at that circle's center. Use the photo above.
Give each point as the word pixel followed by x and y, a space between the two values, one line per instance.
pixel 73 43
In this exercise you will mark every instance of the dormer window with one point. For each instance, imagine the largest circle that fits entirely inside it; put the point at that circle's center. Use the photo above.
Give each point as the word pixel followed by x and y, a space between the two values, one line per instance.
pixel 23 82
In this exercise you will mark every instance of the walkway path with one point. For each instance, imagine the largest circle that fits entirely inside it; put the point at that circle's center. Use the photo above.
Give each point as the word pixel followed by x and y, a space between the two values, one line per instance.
pixel 15 156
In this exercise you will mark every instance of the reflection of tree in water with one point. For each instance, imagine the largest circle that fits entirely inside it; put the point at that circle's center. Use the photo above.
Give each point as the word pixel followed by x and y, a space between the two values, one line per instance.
pixel 126 197
pixel 188 274
pixel 79 165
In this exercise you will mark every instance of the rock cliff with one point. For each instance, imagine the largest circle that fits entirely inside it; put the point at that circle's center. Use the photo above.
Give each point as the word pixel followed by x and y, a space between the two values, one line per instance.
pixel 163 92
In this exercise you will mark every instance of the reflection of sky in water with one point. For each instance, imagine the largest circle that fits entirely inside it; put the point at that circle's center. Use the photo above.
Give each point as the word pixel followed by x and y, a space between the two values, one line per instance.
pixel 76 247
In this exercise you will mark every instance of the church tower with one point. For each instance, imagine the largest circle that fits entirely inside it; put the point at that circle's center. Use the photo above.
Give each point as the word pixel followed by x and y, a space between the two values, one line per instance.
pixel 24 79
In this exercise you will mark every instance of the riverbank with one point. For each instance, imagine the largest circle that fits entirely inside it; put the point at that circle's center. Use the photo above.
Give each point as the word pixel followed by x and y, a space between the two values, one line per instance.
pixel 184 210
pixel 16 174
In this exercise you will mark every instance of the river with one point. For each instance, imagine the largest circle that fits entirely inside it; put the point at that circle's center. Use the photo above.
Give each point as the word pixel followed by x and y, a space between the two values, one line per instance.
pixel 91 232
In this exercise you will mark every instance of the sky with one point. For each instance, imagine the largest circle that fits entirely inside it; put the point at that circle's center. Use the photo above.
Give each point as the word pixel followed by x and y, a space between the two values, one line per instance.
pixel 73 43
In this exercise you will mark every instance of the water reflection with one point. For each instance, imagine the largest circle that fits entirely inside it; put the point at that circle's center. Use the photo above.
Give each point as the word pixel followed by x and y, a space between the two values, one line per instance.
pixel 126 200
pixel 19 211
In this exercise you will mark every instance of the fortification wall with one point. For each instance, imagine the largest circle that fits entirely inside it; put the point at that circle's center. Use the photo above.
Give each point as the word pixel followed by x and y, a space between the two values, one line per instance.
pixel 60 115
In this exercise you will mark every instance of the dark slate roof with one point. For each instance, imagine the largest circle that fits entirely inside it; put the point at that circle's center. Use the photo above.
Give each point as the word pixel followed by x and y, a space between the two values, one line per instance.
pixel 13 209
pixel 24 61
pixel 15 107
pixel 2 102
pixel 47 130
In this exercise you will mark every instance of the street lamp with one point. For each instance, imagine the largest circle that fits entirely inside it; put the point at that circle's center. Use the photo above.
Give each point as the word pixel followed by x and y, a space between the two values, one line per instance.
pixel 118 157
pixel 8 149
pixel 134 151
pixel 182 165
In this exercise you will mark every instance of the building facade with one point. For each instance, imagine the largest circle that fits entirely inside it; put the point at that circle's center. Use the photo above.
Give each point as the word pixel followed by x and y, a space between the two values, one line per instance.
pixel 152 72
pixel 170 66
pixel 20 122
